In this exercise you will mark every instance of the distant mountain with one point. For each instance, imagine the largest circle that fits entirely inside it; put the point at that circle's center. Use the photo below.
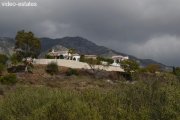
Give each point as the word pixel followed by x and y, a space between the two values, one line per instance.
pixel 83 46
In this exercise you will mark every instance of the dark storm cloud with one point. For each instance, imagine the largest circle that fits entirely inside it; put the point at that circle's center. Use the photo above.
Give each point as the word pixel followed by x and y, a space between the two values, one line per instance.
pixel 144 28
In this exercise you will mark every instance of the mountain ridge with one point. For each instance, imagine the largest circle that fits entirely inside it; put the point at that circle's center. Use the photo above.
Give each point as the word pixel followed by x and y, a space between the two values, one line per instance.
pixel 82 45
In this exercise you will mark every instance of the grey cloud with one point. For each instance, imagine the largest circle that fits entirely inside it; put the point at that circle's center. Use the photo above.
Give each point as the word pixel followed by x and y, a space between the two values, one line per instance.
pixel 124 25
pixel 163 48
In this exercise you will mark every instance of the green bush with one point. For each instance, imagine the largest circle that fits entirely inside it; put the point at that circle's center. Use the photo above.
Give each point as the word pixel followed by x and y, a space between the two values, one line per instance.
pixel 82 58
pixel 153 68
pixel 15 59
pixel 177 71
pixel 9 79
pixel 142 70
pixel 2 68
pixel 146 100
pixel 45 104
pixel 108 60
pixel 52 68
pixel 16 69
pixel 71 72
pixel 49 57
pixel 91 61
pixel 30 68
pixel 3 59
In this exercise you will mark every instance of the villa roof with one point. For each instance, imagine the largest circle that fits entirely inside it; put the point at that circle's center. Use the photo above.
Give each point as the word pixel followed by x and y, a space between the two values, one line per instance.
pixel 120 57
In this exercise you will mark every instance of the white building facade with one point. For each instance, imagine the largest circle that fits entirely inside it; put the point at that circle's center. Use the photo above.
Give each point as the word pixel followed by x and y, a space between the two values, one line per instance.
pixel 64 55
pixel 117 59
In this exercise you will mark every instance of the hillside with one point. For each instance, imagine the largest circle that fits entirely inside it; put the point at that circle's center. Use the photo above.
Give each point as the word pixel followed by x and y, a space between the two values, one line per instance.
pixel 83 95
pixel 83 46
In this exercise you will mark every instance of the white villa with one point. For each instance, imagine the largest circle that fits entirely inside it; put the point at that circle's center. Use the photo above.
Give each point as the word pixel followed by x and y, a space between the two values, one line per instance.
pixel 64 58
pixel 117 59
pixel 64 55
pixel 76 57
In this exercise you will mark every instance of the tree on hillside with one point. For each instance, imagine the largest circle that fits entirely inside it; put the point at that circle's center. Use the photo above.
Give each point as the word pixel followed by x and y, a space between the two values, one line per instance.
pixel 129 66
pixel 26 45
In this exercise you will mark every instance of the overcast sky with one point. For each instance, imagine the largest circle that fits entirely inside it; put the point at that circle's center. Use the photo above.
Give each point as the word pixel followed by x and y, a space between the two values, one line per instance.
pixel 143 28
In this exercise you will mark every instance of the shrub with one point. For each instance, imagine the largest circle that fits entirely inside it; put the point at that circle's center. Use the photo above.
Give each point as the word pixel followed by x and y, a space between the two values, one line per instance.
pixel 71 72
pixel 153 68
pixel 16 69
pixel 142 70
pixel 52 68
pixel 30 68
pixel 127 76
pixel 2 67
pixel 45 104
pixel 3 59
pixel 14 59
pixel 146 100
pixel 108 60
pixel 1 90
pixel 49 57
pixel 177 71
pixel 9 79
pixel 82 58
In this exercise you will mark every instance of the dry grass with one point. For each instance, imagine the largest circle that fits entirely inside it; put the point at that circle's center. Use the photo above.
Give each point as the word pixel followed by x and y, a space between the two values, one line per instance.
pixel 80 82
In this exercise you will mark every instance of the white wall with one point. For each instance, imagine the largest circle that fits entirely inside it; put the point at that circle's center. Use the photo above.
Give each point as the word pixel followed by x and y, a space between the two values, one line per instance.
pixel 74 64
